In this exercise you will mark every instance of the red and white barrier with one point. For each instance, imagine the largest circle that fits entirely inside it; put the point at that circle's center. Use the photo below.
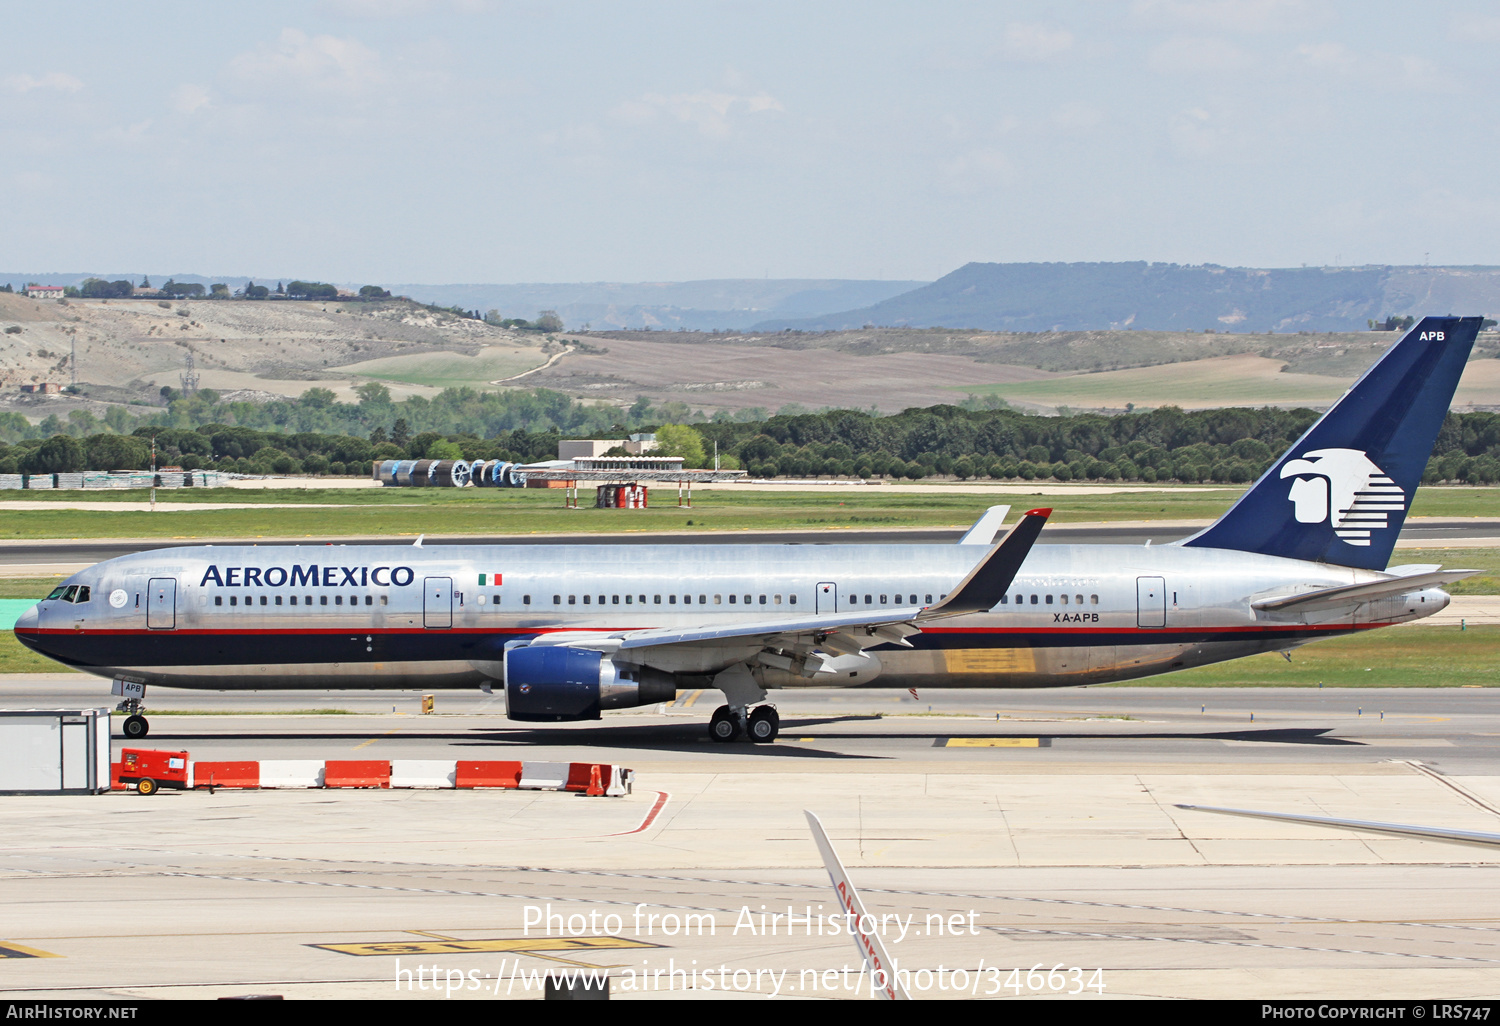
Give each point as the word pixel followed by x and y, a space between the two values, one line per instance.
pixel 580 777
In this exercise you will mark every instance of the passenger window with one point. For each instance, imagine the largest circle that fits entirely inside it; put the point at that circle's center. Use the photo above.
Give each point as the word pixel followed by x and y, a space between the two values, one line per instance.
pixel 776 600
pixel 629 599
pixel 1004 599
pixel 278 600
pixel 307 600
pixel 718 600
pixel 869 599
pixel 913 600
pixel 1093 600
pixel 1033 600
pixel 294 600
pixel 854 600
pixel 1020 599
pixel 572 600
pixel 672 600
pixel 747 600
pixel 234 600
pixel 792 599
pixel 218 600
pixel 262 600
pixel 1078 599
pixel 384 599
pixel 732 599
pixel 525 600
pixel 557 600
pixel 703 600
pixel 1064 598
pixel 585 600
pixel 687 600
pixel 601 600
pixel 762 599
pixel 1049 600
pixel 322 600
pixel 657 598
pixel 480 600
pixel 882 600
pixel 641 599
pixel 614 600
pixel 929 599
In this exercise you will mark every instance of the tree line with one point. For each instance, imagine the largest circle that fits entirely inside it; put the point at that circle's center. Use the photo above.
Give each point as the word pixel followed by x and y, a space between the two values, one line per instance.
pixel 318 434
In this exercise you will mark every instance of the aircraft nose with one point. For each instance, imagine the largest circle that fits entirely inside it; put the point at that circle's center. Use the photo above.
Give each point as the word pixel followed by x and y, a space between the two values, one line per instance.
pixel 28 620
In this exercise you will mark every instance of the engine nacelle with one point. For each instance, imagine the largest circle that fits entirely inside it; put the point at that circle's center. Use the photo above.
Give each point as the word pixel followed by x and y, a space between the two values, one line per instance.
pixel 553 683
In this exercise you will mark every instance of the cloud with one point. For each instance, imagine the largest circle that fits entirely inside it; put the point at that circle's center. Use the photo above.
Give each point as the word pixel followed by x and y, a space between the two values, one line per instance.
pixel 1476 28
pixel 326 64
pixel 1230 15
pixel 376 9
pixel 1332 56
pixel 1077 117
pixel 1185 54
pixel 978 170
pixel 57 80
pixel 1203 135
pixel 189 99
pixel 712 113
pixel 1030 42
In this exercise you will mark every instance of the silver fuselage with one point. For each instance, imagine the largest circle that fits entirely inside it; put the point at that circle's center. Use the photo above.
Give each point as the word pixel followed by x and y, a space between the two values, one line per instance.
pixel 247 617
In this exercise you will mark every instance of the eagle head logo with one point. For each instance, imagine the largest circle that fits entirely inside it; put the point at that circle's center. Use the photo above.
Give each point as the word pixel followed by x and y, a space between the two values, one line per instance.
pixel 1343 488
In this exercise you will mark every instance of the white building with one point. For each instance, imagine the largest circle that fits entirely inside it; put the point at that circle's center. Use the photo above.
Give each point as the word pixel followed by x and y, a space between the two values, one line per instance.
pixel 44 291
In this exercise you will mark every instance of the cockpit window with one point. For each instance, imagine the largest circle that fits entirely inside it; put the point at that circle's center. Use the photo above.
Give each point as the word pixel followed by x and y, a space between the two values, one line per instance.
pixel 57 592
pixel 69 592
pixel 83 594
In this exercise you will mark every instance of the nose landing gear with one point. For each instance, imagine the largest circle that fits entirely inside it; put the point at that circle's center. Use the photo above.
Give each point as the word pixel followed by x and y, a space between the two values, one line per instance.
pixel 136 727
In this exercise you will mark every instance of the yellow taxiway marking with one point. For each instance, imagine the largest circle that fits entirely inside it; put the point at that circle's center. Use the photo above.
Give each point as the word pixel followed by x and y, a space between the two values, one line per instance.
pixel 8 949
pixel 523 945
pixel 994 742
pixel 692 698
pixel 372 740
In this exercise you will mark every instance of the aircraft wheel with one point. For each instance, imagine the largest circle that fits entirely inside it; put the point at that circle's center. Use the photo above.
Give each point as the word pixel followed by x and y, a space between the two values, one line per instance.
pixel 725 725
pixel 136 727
pixel 764 725
pixel 146 785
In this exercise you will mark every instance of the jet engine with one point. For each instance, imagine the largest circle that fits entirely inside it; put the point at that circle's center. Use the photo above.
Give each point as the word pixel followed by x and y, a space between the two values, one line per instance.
pixel 549 684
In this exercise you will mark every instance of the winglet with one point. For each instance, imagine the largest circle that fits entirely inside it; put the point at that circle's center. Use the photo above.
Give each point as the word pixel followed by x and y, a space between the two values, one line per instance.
pixel 982 588
pixel 986 527
pixel 883 979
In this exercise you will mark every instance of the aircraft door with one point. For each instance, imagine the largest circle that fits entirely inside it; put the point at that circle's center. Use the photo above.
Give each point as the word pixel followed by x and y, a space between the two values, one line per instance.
pixel 1150 602
pixel 161 603
pixel 827 600
pixel 437 602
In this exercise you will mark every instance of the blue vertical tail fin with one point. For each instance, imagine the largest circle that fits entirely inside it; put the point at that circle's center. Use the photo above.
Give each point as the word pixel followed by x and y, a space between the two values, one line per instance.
pixel 1340 494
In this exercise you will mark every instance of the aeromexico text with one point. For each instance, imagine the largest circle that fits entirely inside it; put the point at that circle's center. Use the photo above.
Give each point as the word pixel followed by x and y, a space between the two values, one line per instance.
pixel 312 575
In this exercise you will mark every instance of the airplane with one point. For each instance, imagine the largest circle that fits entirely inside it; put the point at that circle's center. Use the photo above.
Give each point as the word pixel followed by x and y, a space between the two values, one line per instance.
pixel 570 631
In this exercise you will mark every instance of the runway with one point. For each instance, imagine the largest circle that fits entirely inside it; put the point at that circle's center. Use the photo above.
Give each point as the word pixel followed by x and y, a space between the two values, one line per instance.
pixel 71 555
pixel 1069 852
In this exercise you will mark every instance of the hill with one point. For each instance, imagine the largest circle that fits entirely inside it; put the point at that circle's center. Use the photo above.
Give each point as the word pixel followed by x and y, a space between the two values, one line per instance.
pixel 1168 297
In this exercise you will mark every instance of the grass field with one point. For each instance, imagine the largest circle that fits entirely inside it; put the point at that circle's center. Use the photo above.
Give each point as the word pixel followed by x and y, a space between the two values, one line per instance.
pixel 407 512
pixel 1241 380
pixel 1397 657
pixel 449 370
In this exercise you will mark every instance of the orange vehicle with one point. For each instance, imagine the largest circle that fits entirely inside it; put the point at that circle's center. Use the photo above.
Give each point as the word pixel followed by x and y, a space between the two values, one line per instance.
pixel 150 770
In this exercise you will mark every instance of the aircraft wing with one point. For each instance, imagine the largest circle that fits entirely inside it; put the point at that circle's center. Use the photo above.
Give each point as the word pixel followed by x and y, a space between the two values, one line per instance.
pixel 850 632
pixel 1325 598
pixel 1475 837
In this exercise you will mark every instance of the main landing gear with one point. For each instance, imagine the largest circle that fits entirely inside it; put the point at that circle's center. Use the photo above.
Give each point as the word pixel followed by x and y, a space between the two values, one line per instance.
pixel 761 726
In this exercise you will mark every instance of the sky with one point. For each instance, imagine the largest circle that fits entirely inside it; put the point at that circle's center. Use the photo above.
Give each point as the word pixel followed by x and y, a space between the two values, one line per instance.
pixel 612 140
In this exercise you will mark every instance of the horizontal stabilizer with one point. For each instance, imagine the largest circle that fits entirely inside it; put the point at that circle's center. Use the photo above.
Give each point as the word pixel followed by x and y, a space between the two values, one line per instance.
pixel 1326 598
pixel 1474 837
pixel 986 527
pixel 982 589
